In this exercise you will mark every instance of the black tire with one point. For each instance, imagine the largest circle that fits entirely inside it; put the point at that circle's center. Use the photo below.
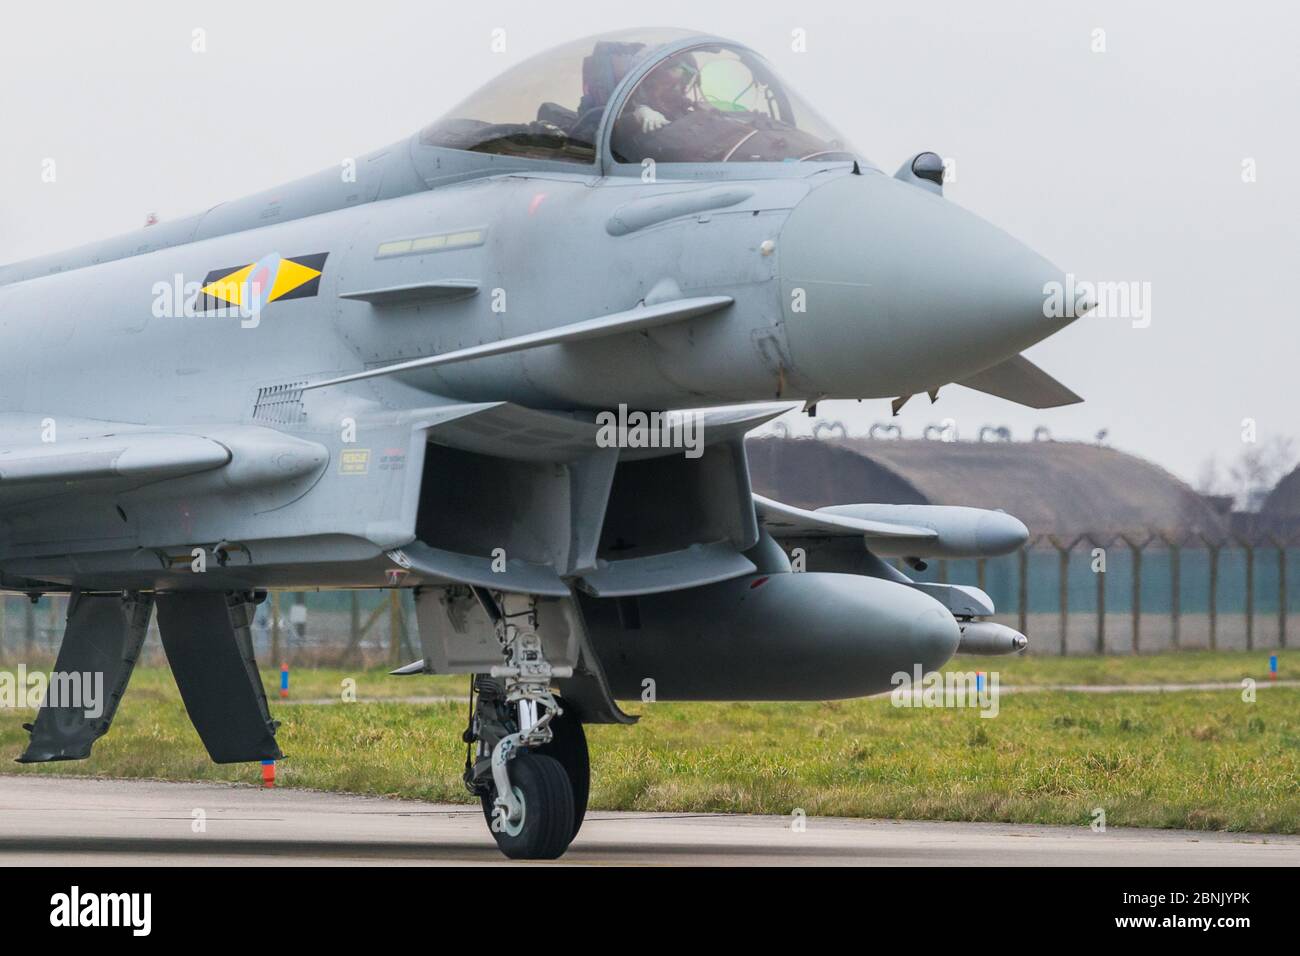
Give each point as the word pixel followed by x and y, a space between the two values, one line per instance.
pixel 569 746
pixel 547 826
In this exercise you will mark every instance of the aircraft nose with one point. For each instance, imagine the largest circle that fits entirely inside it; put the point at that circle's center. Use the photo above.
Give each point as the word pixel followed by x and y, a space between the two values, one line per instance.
pixel 892 290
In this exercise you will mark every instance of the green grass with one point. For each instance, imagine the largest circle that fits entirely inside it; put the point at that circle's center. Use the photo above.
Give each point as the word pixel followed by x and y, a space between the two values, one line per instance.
pixel 1184 667
pixel 1201 760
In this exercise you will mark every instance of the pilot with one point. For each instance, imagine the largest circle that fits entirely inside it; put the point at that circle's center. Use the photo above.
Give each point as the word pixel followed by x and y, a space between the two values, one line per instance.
pixel 663 96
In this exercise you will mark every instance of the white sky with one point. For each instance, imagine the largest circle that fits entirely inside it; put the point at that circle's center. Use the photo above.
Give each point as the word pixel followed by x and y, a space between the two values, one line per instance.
pixel 1121 166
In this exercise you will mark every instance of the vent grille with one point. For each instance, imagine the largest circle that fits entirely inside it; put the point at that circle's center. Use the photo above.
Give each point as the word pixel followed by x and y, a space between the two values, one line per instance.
pixel 280 404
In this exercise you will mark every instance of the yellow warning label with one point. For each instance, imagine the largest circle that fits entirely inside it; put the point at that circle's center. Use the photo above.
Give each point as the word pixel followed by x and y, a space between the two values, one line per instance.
pixel 354 461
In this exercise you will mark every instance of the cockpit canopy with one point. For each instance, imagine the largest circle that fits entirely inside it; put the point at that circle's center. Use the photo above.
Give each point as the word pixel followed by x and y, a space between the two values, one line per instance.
pixel 710 102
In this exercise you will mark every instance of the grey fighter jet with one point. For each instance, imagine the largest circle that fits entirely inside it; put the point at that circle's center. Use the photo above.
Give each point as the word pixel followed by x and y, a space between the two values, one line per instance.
pixel 509 363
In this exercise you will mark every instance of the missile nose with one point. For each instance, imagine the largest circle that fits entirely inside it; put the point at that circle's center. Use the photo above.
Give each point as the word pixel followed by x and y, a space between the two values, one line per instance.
pixel 989 637
pixel 890 290
pixel 999 533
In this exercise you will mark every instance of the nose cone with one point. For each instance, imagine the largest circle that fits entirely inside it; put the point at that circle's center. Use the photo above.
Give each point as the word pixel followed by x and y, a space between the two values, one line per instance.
pixel 902 290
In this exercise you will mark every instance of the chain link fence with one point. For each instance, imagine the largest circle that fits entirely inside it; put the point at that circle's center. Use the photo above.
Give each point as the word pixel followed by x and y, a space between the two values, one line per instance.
pixel 1089 594
pixel 320 628
pixel 1130 594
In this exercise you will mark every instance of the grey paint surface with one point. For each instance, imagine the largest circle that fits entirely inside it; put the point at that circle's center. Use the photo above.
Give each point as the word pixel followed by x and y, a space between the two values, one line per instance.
pixel 49 822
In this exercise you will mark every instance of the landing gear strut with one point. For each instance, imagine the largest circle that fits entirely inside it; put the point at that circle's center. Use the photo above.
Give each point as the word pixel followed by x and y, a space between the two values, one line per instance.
pixel 528 762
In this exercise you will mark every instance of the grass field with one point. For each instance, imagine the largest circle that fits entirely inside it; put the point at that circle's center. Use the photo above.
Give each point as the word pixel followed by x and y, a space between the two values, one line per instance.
pixel 1197 759
pixel 1184 667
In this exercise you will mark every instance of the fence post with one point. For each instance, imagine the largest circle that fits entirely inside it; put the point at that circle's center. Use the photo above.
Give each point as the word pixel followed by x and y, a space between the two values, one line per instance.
pixel 395 626
pixel 353 650
pixel 1250 595
pixel 52 637
pixel 1137 550
pixel 1175 591
pixel 1062 592
pixel 1063 559
pixel 1024 589
pixel 1213 549
pixel 1281 594
pixel 29 628
pixel 276 659
pixel 299 635
pixel 1101 597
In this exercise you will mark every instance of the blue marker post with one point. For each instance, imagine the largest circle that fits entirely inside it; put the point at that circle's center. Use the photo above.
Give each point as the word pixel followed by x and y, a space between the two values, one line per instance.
pixel 1272 667
pixel 284 681
pixel 979 682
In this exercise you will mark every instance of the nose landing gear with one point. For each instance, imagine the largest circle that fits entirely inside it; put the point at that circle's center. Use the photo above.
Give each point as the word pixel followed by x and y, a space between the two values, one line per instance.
pixel 529 764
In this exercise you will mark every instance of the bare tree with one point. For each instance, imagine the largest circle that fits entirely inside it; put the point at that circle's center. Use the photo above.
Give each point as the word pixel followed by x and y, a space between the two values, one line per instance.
pixel 1258 468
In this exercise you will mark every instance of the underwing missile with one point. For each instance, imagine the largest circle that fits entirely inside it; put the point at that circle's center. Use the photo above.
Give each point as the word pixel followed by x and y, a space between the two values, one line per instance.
pixel 988 637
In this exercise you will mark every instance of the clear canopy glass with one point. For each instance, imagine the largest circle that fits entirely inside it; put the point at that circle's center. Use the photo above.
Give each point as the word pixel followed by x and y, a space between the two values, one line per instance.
pixel 720 104
pixel 550 106
pixel 712 103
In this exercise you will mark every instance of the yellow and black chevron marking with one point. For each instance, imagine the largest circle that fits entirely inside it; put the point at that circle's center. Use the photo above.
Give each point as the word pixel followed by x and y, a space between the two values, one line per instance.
pixel 270 279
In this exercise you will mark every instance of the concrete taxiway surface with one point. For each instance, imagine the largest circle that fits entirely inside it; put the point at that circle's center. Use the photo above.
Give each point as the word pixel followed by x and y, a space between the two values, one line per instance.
pixel 61 821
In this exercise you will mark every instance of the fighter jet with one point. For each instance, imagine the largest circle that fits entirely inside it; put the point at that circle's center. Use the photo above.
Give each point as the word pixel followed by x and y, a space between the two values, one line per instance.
pixel 509 363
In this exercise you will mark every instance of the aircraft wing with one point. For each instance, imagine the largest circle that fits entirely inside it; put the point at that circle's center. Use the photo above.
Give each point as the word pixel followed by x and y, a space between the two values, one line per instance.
pixel 1021 381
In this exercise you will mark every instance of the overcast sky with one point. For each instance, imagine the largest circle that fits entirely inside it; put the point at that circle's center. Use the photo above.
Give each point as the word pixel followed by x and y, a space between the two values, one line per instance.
pixel 1121 166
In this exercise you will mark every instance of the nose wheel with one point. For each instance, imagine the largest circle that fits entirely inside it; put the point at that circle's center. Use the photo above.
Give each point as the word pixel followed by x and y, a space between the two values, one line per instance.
pixel 568 748
pixel 527 761
pixel 543 827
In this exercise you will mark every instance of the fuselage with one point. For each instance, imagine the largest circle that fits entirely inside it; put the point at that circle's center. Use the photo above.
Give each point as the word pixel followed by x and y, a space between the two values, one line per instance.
pixel 876 290
pixel 89 340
